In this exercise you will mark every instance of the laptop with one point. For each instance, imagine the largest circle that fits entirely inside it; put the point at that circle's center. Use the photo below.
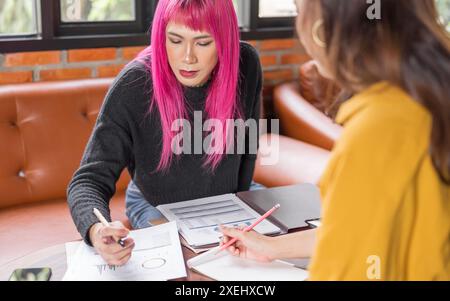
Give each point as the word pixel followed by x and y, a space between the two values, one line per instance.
pixel 300 204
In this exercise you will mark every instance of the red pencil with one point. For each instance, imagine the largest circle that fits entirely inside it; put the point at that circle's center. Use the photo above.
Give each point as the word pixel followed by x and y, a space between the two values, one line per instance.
pixel 249 228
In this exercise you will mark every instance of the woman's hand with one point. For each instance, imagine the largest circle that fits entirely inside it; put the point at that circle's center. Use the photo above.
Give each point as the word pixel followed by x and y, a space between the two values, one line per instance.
pixel 250 245
pixel 104 239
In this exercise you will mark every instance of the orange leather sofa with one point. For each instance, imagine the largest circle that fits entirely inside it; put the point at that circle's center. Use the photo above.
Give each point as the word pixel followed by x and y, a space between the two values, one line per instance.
pixel 44 128
pixel 308 134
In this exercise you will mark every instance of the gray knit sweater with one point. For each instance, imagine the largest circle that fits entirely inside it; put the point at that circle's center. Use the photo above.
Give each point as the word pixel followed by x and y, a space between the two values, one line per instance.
pixel 128 135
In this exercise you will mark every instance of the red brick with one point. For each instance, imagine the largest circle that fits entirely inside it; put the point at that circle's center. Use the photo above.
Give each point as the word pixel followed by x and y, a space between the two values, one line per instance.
pixel 130 53
pixel 109 71
pixel 277 44
pixel 89 55
pixel 16 77
pixel 285 74
pixel 268 60
pixel 294 59
pixel 32 58
pixel 65 74
pixel 253 43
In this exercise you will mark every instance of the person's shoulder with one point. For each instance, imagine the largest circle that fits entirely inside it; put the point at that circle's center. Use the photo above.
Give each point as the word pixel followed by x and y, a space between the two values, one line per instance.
pixel 250 78
pixel 131 88
pixel 134 74
pixel 248 50
pixel 249 55
pixel 392 108
pixel 133 79
pixel 390 120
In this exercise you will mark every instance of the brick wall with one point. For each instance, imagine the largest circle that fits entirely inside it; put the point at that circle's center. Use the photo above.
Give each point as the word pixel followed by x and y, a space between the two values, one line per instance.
pixel 280 60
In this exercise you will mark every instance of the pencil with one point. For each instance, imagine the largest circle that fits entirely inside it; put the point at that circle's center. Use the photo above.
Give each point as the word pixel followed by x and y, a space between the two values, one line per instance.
pixel 249 228
pixel 105 223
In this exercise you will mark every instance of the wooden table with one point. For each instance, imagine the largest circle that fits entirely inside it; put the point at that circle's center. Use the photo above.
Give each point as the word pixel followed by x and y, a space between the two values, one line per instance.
pixel 55 258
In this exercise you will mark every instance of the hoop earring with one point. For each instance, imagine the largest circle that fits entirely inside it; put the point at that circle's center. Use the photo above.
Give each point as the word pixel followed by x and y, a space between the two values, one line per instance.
pixel 315 34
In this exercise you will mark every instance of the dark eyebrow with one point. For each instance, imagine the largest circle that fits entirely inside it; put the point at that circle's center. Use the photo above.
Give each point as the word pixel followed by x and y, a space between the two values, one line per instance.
pixel 196 38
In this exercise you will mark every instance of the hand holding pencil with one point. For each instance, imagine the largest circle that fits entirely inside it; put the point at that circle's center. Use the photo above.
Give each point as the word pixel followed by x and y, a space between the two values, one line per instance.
pixel 109 240
pixel 105 223
pixel 249 244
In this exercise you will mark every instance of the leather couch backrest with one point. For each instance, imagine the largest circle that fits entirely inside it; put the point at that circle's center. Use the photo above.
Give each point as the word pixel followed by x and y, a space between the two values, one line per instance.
pixel 44 128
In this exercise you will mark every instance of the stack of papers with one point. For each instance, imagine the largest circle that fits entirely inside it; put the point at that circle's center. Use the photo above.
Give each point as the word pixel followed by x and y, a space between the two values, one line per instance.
pixel 199 220
pixel 156 256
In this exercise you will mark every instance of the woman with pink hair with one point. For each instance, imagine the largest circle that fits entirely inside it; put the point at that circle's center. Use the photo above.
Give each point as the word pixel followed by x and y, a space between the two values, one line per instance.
pixel 195 63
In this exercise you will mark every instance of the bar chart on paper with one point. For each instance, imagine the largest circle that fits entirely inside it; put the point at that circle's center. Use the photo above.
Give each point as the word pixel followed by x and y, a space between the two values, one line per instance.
pixel 224 212
pixel 199 220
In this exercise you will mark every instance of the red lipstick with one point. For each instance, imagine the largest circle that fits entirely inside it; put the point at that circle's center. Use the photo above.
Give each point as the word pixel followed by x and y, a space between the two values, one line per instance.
pixel 188 74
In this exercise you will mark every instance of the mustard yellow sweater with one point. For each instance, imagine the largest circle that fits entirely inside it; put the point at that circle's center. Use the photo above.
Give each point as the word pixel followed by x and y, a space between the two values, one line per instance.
pixel 386 214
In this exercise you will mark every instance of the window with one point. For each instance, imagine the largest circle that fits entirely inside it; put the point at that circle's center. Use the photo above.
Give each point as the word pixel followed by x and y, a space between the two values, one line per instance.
pixel 18 17
pixel 278 8
pixel 241 11
pixel 101 17
pixel 273 13
pixel 31 25
pixel 97 10
pixel 444 11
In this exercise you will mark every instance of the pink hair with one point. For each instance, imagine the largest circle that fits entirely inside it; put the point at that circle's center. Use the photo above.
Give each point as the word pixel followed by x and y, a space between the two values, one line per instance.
pixel 217 17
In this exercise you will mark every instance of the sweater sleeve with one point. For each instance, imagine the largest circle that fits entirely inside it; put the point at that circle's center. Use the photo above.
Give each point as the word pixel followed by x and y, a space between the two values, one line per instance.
pixel 248 161
pixel 106 155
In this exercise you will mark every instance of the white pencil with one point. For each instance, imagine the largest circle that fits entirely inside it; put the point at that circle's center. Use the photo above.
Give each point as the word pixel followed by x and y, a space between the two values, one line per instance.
pixel 105 223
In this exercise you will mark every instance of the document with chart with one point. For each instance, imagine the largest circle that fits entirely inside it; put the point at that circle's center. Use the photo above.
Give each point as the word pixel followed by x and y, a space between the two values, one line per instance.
pixel 198 220
pixel 157 256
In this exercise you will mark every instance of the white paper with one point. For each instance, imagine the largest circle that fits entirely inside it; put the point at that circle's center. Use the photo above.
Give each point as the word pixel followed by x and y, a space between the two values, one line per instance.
pixel 157 256
pixel 71 250
pixel 225 267
pixel 199 220
pixel 193 249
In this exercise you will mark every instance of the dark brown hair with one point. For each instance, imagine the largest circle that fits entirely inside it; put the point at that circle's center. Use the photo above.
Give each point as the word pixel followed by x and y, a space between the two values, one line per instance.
pixel 407 47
